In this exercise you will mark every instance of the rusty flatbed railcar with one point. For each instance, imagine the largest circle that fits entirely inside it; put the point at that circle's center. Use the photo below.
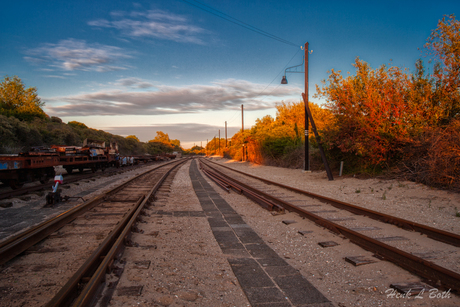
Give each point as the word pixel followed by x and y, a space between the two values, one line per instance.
pixel 38 164
pixel 15 170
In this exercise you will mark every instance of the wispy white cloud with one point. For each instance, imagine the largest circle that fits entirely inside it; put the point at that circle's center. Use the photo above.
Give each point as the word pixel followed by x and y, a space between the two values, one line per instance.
pixel 134 83
pixel 153 24
pixel 73 54
pixel 55 76
pixel 221 95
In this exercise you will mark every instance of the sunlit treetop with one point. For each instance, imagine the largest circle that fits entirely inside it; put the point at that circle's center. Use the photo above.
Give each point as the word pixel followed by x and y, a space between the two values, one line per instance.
pixel 17 101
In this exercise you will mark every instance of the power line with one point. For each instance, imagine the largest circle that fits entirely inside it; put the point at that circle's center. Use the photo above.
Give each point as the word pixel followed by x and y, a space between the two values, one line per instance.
pixel 279 74
pixel 240 23
pixel 237 112
pixel 233 117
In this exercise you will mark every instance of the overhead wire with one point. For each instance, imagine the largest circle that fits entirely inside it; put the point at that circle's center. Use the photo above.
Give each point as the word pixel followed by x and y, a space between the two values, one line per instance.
pixel 247 26
pixel 278 75
pixel 240 23
pixel 261 100
pixel 233 117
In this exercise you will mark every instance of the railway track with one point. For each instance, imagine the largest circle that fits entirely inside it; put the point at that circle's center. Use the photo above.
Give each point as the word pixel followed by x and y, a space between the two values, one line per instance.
pixel 6 192
pixel 434 257
pixel 80 245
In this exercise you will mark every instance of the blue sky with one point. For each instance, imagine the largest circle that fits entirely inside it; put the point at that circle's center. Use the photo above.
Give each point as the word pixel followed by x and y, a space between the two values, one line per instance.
pixel 134 68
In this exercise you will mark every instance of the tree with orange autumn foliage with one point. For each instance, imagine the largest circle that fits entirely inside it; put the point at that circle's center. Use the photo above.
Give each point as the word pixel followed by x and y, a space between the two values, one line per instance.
pixel 380 112
pixel 374 115
pixel 278 141
pixel 378 118
pixel 18 101
pixel 443 46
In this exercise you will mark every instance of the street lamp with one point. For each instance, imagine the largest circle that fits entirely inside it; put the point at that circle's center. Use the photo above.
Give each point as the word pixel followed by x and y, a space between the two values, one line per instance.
pixel 284 81
pixel 307 116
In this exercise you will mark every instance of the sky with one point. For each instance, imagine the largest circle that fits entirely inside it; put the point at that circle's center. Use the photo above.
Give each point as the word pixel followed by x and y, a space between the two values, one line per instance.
pixel 185 67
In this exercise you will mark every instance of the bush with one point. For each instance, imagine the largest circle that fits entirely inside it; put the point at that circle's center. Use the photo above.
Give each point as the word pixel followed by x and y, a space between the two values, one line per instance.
pixel 434 159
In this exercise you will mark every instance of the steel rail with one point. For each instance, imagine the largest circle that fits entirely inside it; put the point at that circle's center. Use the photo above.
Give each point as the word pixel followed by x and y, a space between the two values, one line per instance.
pixel 219 182
pixel 15 245
pixel 419 266
pixel 69 178
pixel 101 260
pixel 436 234
pixel 68 292
pixel 434 273
pixel 265 200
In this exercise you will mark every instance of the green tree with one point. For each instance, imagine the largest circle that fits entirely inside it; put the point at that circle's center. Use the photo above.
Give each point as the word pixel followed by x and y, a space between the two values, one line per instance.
pixel 78 125
pixel 133 137
pixel 175 143
pixel 162 137
pixel 17 101
pixel 154 148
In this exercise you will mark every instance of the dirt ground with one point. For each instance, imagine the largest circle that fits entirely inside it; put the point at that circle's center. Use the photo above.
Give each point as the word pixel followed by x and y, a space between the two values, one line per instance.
pixel 178 263
pixel 188 261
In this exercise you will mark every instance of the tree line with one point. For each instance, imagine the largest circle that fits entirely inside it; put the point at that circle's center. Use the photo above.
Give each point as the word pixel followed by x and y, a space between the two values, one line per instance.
pixel 24 124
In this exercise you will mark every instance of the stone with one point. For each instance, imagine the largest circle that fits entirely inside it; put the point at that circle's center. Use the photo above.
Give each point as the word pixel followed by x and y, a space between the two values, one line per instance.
pixel 165 300
pixel 189 296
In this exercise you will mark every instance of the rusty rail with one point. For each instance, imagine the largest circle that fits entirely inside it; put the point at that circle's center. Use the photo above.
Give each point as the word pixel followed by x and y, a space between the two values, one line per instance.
pixel 218 181
pixel 69 178
pixel 434 273
pixel 436 234
pixel 265 200
pixel 15 245
pixel 95 268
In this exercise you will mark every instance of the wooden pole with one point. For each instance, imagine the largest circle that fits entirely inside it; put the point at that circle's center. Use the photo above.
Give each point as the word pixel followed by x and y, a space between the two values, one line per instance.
pixel 242 131
pixel 307 141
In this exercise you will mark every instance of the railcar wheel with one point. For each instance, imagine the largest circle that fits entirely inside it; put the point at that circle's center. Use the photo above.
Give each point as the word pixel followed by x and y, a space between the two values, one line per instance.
pixel 80 169
pixel 69 170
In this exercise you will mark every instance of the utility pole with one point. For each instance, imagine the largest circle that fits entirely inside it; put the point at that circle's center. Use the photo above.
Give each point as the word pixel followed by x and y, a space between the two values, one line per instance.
pixel 242 119
pixel 307 123
pixel 214 143
pixel 226 134
pixel 207 141
pixel 219 141
pixel 242 131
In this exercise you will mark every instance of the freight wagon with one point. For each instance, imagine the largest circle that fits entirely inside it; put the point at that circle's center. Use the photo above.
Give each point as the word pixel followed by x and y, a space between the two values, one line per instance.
pixel 39 162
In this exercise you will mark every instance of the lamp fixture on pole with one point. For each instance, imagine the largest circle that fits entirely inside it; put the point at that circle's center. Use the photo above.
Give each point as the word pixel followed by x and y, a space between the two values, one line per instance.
pixel 284 81
pixel 308 117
